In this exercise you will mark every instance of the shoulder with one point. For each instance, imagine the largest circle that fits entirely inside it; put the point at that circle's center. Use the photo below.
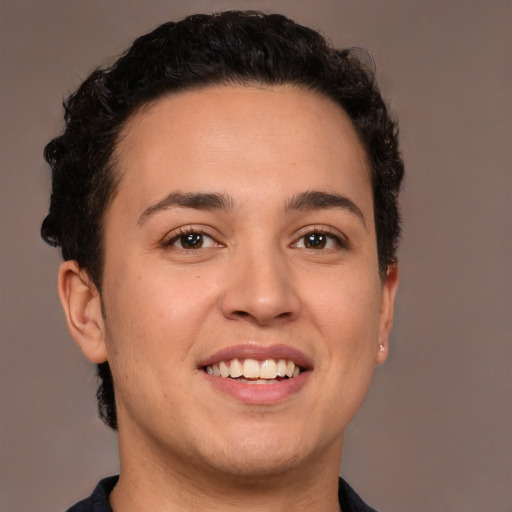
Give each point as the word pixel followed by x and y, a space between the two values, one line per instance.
pixel 98 500
pixel 349 500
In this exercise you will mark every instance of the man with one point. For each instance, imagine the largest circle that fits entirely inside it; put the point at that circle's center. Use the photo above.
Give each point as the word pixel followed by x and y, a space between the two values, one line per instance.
pixel 225 198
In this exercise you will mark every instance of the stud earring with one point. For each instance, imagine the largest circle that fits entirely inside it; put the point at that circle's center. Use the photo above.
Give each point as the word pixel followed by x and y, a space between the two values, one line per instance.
pixel 381 347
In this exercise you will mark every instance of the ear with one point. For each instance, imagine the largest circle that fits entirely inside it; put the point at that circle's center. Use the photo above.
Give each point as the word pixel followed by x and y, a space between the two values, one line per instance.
pixel 82 305
pixel 389 287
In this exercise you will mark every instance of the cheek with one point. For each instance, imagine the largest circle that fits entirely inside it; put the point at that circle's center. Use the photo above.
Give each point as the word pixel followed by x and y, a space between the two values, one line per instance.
pixel 346 310
pixel 145 338
pixel 155 313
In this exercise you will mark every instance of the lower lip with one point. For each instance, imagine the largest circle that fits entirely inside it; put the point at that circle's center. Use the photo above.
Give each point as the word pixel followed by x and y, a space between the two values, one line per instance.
pixel 258 394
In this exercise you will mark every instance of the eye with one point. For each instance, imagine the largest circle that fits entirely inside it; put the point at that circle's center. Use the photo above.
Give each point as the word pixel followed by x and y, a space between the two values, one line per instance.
pixel 318 240
pixel 192 240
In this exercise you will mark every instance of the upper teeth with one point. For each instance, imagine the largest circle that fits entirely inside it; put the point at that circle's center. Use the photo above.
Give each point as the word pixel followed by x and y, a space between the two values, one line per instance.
pixel 252 369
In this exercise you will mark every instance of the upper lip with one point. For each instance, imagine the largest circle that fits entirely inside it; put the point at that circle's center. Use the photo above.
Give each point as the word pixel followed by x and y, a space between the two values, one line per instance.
pixel 260 353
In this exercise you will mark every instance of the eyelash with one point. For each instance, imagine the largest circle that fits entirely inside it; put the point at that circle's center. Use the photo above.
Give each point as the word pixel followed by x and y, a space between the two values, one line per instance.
pixel 338 240
pixel 183 232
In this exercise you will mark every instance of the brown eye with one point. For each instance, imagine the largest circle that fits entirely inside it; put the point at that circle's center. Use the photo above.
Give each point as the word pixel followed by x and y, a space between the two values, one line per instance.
pixel 192 240
pixel 318 240
pixel 315 241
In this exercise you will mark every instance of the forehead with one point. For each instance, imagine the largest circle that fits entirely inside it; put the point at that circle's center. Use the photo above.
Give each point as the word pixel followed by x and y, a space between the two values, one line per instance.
pixel 229 136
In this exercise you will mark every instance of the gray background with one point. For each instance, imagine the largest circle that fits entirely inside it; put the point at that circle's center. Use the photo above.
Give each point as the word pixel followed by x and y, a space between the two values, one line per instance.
pixel 435 433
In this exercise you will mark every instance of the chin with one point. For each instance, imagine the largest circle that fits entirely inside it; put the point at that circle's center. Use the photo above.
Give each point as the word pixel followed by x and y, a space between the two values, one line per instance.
pixel 251 465
pixel 258 456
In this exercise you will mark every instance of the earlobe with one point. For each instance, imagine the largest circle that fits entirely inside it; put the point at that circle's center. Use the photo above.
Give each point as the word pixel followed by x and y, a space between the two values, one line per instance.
pixel 81 302
pixel 389 287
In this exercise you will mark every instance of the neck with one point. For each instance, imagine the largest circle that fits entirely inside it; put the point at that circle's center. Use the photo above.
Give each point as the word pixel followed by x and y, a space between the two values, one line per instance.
pixel 150 481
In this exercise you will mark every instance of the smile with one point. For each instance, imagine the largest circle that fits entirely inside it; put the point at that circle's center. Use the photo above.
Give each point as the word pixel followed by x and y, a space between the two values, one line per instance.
pixel 252 371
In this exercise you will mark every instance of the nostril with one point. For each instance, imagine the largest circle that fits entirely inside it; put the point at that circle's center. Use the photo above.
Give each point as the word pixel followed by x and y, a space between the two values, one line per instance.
pixel 262 305
pixel 241 314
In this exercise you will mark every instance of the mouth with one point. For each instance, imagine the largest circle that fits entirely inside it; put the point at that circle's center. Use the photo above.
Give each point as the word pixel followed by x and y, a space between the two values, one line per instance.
pixel 257 375
pixel 254 371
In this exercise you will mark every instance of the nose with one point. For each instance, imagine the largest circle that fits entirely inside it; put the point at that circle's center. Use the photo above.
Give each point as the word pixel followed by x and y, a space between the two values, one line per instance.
pixel 260 288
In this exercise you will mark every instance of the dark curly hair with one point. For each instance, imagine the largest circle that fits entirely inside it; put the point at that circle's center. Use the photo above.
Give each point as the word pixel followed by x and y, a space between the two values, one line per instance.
pixel 233 47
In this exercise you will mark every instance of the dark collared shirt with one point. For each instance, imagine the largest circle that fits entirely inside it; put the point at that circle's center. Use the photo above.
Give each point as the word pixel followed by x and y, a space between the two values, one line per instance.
pixel 98 500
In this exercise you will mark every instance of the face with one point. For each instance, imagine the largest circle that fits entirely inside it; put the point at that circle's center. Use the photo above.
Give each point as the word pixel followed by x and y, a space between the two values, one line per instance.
pixel 242 299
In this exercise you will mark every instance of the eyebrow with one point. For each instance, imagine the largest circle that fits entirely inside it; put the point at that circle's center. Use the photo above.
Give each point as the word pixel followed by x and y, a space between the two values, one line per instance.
pixel 310 200
pixel 195 200
pixel 314 200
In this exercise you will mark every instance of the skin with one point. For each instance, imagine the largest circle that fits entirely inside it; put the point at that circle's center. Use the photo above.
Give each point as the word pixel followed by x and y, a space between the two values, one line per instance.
pixel 185 445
